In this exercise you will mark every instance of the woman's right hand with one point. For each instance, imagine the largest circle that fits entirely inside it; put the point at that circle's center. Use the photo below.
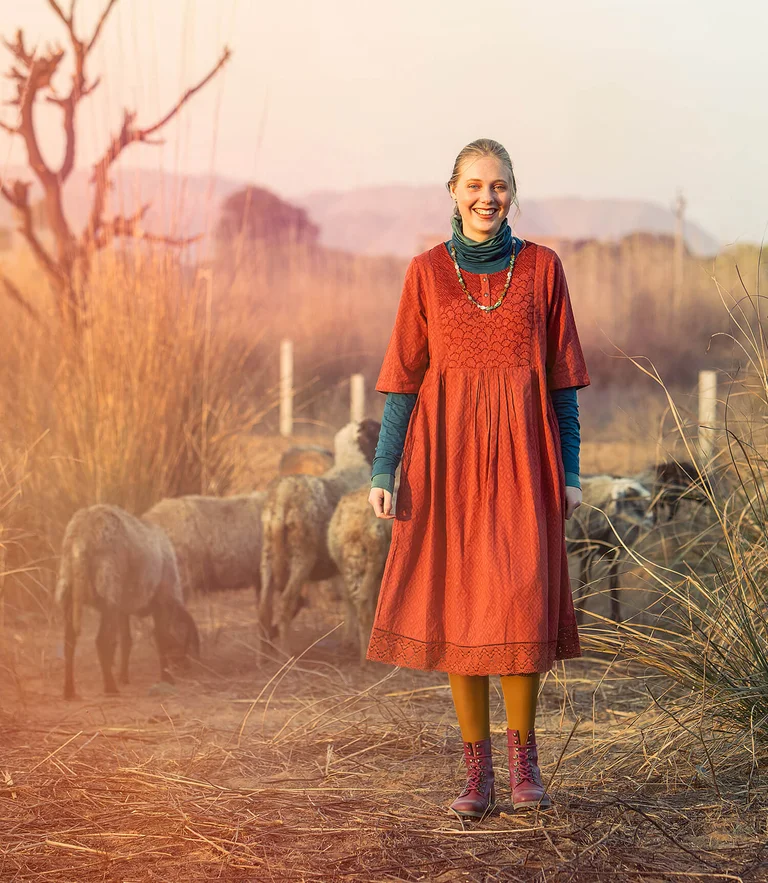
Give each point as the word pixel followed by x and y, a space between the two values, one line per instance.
pixel 381 500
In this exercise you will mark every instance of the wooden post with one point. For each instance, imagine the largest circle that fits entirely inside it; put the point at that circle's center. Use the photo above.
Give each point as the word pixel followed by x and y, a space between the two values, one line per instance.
pixel 707 413
pixel 356 397
pixel 286 387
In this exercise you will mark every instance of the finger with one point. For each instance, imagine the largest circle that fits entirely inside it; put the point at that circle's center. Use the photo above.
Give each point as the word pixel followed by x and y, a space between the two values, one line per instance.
pixel 375 501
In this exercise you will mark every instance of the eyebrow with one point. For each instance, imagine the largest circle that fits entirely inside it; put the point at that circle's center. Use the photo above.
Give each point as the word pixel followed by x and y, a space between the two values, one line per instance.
pixel 498 180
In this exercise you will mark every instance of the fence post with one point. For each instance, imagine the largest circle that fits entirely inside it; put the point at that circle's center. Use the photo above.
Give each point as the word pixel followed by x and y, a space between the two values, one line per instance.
pixel 356 397
pixel 707 413
pixel 286 387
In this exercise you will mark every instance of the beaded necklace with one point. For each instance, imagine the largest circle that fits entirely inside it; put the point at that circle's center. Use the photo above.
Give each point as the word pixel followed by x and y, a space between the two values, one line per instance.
pixel 464 287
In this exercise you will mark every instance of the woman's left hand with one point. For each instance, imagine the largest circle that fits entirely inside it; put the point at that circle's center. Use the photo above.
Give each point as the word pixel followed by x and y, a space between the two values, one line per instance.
pixel 572 500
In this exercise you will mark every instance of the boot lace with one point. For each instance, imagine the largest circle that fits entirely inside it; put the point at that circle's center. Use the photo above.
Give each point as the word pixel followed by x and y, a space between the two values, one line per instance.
pixel 476 776
pixel 524 769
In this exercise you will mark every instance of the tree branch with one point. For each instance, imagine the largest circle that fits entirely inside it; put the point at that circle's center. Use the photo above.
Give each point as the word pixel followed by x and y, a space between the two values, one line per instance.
pixel 57 9
pixel 129 135
pixel 18 196
pixel 187 95
pixel 79 89
pixel 99 26
pixel 17 296
pixel 119 226
pixel 130 228
pixel 32 75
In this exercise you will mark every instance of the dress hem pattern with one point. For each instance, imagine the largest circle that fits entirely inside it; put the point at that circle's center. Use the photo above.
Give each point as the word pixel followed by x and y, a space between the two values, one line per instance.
pixel 488 659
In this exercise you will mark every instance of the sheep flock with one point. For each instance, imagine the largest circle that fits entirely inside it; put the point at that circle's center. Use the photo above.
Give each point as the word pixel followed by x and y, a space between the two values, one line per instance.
pixel 312 522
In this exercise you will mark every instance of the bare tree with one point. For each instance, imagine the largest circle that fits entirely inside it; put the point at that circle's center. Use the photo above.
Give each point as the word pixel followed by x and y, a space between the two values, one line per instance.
pixel 68 264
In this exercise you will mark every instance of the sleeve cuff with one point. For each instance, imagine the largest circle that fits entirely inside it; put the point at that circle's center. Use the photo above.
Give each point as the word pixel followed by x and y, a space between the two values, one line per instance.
pixel 572 479
pixel 384 480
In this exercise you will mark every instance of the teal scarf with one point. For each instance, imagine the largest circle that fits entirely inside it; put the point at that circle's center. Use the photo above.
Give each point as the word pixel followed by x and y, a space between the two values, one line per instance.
pixel 483 257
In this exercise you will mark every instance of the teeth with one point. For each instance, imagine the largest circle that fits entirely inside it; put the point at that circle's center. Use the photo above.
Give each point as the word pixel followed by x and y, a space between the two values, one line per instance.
pixel 481 211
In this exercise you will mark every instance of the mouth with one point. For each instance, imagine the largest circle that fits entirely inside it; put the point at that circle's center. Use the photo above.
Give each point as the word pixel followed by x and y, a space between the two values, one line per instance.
pixel 484 213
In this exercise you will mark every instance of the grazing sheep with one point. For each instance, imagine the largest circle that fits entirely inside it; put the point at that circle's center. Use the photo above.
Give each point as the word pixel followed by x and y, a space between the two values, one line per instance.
pixel 670 482
pixel 589 535
pixel 217 540
pixel 295 520
pixel 306 460
pixel 121 565
pixel 358 543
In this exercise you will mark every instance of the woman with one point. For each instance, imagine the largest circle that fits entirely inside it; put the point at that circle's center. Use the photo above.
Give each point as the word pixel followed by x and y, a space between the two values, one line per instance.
pixel 482 370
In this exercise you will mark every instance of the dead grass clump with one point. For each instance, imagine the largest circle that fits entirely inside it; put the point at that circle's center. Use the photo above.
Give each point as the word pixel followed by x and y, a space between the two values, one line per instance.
pixel 710 637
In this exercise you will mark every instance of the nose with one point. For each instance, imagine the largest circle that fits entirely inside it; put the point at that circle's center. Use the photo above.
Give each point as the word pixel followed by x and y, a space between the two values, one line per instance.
pixel 488 197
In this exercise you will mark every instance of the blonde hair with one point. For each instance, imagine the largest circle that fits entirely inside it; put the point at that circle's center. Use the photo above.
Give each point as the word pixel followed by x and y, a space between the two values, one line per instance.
pixel 483 147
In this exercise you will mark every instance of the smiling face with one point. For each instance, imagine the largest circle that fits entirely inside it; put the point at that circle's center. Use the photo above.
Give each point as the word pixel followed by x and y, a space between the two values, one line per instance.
pixel 484 196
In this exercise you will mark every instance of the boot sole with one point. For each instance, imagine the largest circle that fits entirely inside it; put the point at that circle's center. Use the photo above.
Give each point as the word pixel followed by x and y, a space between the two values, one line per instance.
pixel 533 804
pixel 462 814
pixel 468 814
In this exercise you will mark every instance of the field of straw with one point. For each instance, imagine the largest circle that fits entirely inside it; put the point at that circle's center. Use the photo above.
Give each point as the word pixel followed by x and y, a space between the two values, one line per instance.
pixel 654 744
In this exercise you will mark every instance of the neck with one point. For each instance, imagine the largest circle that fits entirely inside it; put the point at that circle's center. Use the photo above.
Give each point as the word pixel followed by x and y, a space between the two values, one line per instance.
pixel 476 255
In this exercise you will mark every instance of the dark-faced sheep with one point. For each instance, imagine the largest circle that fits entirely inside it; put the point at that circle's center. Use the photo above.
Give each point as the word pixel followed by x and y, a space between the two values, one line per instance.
pixel 217 539
pixel 671 483
pixel 358 543
pixel 121 566
pixel 591 536
pixel 295 520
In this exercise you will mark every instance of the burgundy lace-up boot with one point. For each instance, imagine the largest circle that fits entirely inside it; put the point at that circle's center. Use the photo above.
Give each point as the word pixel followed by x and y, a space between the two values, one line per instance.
pixel 524 773
pixel 478 798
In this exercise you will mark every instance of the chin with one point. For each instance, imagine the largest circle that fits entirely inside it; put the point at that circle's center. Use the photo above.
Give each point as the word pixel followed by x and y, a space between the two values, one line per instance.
pixel 484 231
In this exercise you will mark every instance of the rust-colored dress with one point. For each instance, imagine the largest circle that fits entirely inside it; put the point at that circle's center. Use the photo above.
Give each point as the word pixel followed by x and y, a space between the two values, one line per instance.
pixel 476 581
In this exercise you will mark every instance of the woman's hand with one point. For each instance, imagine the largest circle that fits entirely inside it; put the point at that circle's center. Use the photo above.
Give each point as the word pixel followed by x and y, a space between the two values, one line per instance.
pixel 572 500
pixel 381 500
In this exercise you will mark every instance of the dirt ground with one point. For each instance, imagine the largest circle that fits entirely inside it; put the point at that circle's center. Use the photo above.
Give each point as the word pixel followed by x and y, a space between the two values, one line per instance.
pixel 314 768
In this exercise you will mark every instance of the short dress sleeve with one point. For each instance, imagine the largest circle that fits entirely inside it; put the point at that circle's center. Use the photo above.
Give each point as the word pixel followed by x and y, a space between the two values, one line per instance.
pixel 565 359
pixel 407 356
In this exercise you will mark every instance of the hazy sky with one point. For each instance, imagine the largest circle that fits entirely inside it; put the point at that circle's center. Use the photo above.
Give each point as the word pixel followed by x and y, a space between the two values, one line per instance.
pixel 597 98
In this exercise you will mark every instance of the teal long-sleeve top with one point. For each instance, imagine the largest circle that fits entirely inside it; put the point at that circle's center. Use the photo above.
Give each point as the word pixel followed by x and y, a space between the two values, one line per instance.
pixel 399 406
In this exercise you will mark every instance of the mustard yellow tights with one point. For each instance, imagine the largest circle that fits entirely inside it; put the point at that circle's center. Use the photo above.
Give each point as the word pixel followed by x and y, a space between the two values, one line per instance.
pixel 471 700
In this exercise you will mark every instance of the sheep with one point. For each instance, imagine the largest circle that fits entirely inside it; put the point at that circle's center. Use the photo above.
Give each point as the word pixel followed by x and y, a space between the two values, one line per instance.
pixel 358 543
pixel 295 519
pixel 306 460
pixel 121 565
pixel 589 534
pixel 217 539
pixel 670 482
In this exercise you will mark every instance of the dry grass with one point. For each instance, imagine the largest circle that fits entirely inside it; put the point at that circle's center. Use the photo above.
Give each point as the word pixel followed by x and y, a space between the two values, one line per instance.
pixel 312 769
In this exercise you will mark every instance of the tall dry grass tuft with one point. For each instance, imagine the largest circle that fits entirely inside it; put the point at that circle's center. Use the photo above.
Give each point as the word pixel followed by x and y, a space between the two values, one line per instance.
pixel 709 631
pixel 149 403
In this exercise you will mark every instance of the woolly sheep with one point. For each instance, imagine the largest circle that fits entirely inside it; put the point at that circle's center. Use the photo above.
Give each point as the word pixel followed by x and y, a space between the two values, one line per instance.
pixel 358 543
pixel 295 519
pixel 121 565
pixel 217 539
pixel 306 460
pixel 589 535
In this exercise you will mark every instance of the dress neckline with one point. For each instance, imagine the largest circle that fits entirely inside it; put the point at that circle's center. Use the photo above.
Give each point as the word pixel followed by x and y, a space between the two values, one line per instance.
pixel 443 247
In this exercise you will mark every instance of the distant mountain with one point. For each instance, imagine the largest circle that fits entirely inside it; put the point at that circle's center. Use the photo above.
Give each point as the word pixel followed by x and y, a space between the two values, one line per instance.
pixel 181 205
pixel 397 220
